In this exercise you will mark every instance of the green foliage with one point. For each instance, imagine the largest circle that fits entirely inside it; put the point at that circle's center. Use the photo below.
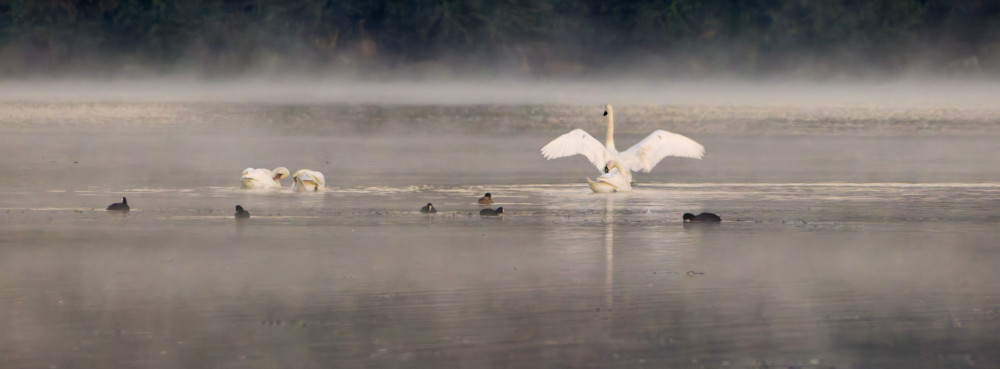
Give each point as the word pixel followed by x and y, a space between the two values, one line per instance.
pixel 539 36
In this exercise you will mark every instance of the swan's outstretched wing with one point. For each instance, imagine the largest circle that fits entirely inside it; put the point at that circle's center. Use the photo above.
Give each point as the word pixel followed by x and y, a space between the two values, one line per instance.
pixel 576 142
pixel 658 145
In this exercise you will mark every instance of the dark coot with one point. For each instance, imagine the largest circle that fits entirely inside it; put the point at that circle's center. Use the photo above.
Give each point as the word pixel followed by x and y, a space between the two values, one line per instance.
pixel 702 218
pixel 491 212
pixel 241 213
pixel 119 206
pixel 429 209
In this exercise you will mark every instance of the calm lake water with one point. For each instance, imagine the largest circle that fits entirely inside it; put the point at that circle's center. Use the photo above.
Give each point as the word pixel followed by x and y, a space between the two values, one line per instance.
pixel 851 238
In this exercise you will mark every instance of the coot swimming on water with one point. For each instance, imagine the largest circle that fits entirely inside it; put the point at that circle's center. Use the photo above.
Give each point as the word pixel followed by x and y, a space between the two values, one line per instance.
pixel 119 206
pixel 491 213
pixel 429 209
pixel 702 218
pixel 241 213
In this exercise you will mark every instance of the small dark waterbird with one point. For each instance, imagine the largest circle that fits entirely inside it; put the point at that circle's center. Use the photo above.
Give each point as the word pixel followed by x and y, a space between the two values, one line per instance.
pixel 428 209
pixel 490 212
pixel 702 218
pixel 242 213
pixel 119 206
pixel 486 199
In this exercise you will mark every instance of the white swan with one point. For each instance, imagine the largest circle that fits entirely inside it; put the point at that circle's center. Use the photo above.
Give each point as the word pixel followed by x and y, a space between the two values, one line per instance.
pixel 260 178
pixel 641 157
pixel 615 179
pixel 308 180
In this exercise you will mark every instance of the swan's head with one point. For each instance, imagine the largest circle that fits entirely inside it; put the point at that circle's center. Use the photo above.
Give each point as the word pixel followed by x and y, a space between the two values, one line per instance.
pixel 608 110
pixel 614 164
pixel 280 173
pixel 688 217
pixel 625 172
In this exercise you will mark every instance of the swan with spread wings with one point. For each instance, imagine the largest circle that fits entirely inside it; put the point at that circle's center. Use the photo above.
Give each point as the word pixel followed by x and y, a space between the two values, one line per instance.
pixel 643 156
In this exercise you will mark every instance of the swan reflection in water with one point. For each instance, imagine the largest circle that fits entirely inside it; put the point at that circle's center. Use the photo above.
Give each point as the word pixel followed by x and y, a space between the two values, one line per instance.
pixel 609 251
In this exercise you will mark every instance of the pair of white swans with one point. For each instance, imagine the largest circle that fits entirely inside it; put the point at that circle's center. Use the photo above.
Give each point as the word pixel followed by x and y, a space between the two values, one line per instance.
pixel 616 167
pixel 263 179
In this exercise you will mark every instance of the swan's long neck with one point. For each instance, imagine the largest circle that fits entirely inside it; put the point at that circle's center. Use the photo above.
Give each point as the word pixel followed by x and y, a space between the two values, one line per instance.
pixel 610 141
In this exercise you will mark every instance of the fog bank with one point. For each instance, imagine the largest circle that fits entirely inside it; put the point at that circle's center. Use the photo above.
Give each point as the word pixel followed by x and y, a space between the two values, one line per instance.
pixel 951 94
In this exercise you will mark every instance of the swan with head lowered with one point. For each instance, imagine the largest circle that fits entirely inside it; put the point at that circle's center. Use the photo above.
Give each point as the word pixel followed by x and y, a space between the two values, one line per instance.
pixel 308 180
pixel 615 179
pixel 260 178
pixel 642 156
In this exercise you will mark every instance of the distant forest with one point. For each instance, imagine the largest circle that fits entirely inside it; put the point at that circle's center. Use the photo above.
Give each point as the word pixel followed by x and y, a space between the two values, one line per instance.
pixel 561 38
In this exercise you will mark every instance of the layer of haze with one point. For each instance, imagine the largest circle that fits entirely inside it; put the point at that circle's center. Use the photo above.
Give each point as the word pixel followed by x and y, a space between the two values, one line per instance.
pixel 913 93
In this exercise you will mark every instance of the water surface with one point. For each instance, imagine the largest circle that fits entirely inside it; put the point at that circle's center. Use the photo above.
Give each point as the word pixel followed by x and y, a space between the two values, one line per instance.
pixel 839 248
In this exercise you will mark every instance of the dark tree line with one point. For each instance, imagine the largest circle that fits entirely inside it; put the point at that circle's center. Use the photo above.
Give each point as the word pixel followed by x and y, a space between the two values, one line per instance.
pixel 527 37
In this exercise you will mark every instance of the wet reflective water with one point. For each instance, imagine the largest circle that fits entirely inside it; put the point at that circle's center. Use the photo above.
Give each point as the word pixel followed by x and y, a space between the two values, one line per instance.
pixel 861 251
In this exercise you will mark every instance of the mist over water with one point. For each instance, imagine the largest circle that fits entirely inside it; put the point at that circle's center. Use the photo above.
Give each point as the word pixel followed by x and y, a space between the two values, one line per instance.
pixel 859 226
pixel 299 89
